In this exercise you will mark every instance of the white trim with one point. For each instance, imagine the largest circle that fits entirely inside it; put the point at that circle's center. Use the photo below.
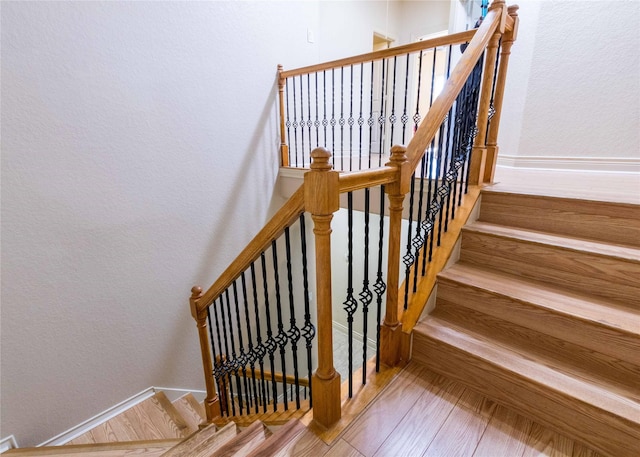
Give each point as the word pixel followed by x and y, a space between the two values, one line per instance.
pixel 110 413
pixel 8 443
pixel 599 164
pixel 344 329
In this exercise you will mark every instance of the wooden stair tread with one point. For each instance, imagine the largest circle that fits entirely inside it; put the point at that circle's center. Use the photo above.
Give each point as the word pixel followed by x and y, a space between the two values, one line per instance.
pixel 627 253
pixel 557 300
pixel 203 443
pixel 613 222
pixel 271 417
pixel 191 411
pixel 152 419
pixel 525 366
pixel 280 440
pixel 245 441
pixel 149 448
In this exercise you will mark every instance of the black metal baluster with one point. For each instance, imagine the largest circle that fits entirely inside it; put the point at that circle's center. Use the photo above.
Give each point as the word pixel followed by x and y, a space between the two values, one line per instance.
pixel 293 333
pixel 242 357
pixel 214 373
pixel 360 118
pixel 416 116
pixel 419 238
pixel 251 350
pixel 295 121
pixel 317 121
pixel 392 116
pixel 325 122
pixel 433 76
pixel 351 121
pixel 408 257
pixel 350 303
pixel 405 117
pixel 308 330
pixel 270 344
pixel 365 296
pixel 371 121
pixel 260 348
pixel 382 118
pixel 219 364
pixel 302 124
pixel 379 286
pixel 234 360
pixel 309 121
pixel 288 122
pixel 281 336
pixel 227 364
pixel 341 121
pixel 333 117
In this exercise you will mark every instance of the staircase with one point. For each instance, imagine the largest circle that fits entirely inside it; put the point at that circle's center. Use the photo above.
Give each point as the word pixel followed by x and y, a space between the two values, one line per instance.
pixel 542 314
pixel 157 427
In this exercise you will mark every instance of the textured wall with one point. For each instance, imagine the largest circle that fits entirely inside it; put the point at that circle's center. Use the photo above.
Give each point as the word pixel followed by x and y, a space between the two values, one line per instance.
pixel 572 90
pixel 130 133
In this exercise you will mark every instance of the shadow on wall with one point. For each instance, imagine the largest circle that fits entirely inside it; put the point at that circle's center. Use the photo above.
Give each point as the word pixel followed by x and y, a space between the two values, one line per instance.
pixel 252 177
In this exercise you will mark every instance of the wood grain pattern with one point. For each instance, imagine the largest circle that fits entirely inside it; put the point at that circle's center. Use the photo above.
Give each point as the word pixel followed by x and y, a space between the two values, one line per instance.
pixel 506 434
pixel 369 431
pixel 124 449
pixel 608 277
pixel 438 398
pixel 282 440
pixel 244 442
pixel 607 422
pixel 192 412
pixel 609 222
pixel 612 373
pixel 343 449
pixel 204 443
pixel 581 320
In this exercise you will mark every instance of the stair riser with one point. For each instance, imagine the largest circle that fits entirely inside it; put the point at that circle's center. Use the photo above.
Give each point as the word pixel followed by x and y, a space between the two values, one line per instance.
pixel 609 222
pixel 607 277
pixel 592 335
pixel 578 360
pixel 605 433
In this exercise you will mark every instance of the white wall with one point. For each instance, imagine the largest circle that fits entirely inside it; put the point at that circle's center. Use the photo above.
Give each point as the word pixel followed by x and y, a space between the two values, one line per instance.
pixel 129 133
pixel 571 100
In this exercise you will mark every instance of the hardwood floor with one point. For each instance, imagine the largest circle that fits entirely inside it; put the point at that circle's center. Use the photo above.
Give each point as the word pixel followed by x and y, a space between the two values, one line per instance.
pixel 424 414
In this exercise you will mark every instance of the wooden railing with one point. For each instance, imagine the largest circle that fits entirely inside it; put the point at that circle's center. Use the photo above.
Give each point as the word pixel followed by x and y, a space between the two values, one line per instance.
pixel 463 157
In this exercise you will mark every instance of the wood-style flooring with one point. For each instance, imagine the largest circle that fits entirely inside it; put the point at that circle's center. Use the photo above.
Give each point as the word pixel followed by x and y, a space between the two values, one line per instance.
pixel 423 414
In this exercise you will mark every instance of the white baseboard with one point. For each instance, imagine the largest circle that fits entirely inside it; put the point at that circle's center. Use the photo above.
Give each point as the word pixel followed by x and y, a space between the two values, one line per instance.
pixel 596 164
pixel 8 443
pixel 112 412
pixel 358 336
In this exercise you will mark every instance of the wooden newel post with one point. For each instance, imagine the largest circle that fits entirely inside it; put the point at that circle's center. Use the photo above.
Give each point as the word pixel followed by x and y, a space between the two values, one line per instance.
pixel 322 199
pixel 284 148
pixel 492 138
pixel 211 404
pixel 391 329
pixel 479 153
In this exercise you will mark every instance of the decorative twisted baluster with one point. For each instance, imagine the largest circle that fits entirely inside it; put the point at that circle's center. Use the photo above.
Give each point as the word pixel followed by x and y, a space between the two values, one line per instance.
pixel 270 345
pixel 308 331
pixel 281 336
pixel 350 303
pixel 379 286
pixel 366 296
pixel 293 334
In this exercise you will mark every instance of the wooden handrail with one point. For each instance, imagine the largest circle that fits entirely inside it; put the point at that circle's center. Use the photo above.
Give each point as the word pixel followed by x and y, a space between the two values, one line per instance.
pixel 272 230
pixel 357 180
pixel 455 38
pixel 442 104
